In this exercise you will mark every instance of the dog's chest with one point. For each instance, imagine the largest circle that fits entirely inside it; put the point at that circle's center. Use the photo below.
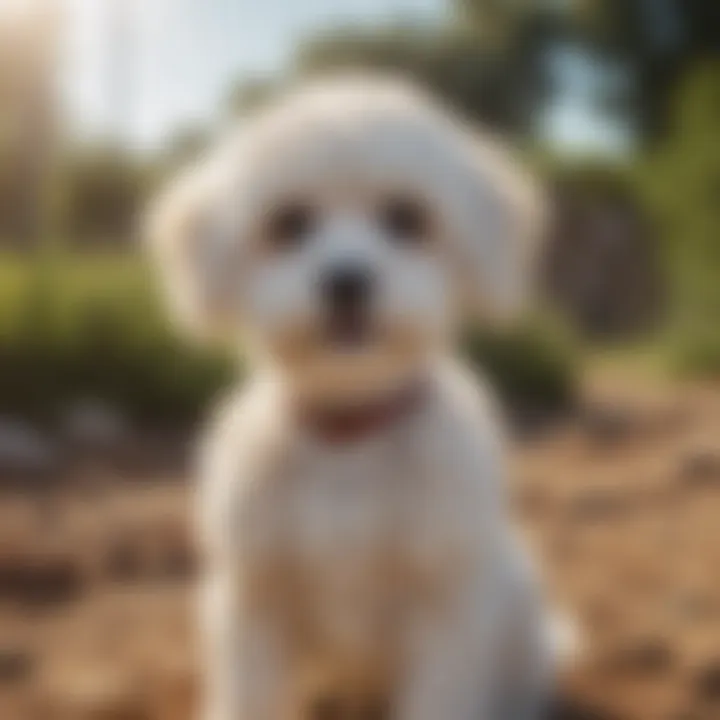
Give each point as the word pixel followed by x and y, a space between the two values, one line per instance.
pixel 343 543
pixel 340 514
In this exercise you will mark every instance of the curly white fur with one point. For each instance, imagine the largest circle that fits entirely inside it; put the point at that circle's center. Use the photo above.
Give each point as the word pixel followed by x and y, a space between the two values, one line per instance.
pixel 383 569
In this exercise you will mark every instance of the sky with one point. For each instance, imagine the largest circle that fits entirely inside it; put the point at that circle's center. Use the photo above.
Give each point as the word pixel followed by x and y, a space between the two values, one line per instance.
pixel 174 63
pixel 184 55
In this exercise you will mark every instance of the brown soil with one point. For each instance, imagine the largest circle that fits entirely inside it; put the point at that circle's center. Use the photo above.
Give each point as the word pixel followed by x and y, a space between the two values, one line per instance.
pixel 621 505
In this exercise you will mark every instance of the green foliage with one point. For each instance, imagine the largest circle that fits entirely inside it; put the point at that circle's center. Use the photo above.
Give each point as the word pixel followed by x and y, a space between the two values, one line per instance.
pixel 681 182
pixel 696 353
pixel 655 43
pixel 92 327
pixel 485 78
pixel 533 367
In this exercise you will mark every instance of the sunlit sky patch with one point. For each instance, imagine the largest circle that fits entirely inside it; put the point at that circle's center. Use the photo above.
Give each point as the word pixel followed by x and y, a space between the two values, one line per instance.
pixel 141 70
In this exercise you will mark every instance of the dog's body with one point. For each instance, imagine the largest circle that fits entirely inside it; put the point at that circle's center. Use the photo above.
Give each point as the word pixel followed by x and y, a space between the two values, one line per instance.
pixel 382 571
pixel 373 574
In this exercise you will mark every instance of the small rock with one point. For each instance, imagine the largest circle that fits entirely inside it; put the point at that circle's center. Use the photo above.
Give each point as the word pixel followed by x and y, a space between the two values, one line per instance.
pixel 646 655
pixel 700 466
pixel 375 709
pixel 16 665
pixel 707 681
pixel 178 562
pixel 571 709
pixel 92 424
pixel 23 449
pixel 607 424
pixel 693 606
pixel 327 707
pixel 40 581
pixel 125 561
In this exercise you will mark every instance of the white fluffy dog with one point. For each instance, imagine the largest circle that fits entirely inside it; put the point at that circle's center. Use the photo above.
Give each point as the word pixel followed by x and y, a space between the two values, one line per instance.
pixel 360 560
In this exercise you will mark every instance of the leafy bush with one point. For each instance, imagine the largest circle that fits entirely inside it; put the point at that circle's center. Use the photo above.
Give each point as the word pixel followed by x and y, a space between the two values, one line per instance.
pixel 681 182
pixel 533 367
pixel 92 327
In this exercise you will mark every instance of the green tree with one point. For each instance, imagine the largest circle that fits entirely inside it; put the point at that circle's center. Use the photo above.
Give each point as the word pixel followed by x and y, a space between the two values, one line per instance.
pixel 655 42
pixel 682 179
pixel 483 79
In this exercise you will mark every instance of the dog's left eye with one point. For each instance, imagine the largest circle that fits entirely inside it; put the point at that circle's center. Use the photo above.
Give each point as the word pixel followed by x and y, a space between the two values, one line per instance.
pixel 288 226
pixel 407 220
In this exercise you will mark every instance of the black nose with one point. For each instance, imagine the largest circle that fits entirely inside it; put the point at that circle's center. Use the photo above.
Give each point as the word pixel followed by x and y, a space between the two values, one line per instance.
pixel 346 288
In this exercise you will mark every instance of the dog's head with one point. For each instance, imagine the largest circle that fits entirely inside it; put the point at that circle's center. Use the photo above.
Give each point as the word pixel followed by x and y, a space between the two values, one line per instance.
pixel 347 230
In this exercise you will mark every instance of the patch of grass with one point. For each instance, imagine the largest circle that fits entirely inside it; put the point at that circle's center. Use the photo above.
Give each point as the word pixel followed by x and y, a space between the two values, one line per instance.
pixel 696 353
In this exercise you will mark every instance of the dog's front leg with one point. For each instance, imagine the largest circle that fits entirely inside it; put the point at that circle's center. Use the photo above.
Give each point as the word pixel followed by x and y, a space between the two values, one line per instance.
pixel 450 663
pixel 244 663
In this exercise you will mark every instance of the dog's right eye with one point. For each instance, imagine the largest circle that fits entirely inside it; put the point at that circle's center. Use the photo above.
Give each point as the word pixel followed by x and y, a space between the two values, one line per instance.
pixel 288 226
pixel 406 220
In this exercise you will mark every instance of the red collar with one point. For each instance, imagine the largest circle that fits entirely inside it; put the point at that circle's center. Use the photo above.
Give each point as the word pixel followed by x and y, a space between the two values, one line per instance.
pixel 357 421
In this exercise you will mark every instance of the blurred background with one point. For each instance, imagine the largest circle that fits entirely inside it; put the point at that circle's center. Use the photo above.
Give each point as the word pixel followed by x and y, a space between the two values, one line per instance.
pixel 611 384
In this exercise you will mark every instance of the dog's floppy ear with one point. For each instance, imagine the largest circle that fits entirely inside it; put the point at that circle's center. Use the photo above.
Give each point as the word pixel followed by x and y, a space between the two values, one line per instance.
pixel 190 241
pixel 503 221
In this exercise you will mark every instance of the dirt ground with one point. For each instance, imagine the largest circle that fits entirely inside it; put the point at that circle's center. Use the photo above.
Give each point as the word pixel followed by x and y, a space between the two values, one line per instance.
pixel 621 504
